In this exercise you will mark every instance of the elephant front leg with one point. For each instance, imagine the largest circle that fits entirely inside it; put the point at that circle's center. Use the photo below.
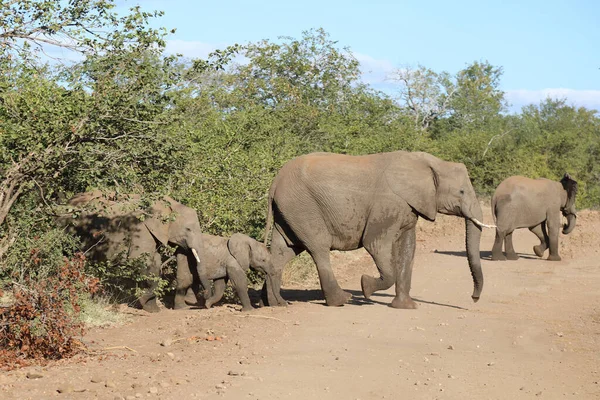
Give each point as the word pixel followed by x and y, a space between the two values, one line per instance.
pixel 497 254
pixel 240 283
pixel 405 253
pixel 553 226
pixel 219 290
pixel 382 255
pixel 148 299
pixel 184 281
pixel 543 237
pixel 281 254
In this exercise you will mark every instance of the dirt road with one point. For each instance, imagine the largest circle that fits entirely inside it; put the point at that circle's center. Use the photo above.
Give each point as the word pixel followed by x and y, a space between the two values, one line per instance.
pixel 535 333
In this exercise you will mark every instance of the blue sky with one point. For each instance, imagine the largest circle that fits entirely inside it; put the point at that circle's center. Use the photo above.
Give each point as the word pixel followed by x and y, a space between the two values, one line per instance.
pixel 546 48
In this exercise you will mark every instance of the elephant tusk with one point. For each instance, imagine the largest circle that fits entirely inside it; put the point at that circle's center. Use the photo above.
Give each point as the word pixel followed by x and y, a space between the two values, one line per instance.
pixel 481 224
pixel 195 253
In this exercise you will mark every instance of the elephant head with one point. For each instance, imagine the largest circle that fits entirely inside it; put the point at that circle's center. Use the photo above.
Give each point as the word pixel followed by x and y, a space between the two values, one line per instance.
pixel 568 206
pixel 430 185
pixel 172 222
pixel 251 253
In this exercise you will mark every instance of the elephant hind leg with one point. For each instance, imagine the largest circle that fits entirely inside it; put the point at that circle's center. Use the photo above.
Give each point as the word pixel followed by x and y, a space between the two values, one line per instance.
pixel 334 295
pixel 511 254
pixel 540 232
pixel 497 254
pixel 281 254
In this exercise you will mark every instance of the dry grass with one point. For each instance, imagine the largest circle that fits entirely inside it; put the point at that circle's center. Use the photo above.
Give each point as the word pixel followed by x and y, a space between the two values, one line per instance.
pixel 100 312
pixel 301 271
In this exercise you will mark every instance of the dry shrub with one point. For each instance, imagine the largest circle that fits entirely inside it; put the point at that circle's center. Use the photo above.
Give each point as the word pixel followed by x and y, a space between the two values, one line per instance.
pixel 43 320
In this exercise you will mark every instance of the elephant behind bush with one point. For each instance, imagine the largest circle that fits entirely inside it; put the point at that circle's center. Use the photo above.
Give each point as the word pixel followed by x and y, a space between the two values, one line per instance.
pixel 119 229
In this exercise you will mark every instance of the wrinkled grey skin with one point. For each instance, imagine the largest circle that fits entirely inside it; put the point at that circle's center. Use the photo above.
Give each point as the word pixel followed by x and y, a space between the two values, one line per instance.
pixel 110 227
pixel 322 201
pixel 225 258
pixel 537 204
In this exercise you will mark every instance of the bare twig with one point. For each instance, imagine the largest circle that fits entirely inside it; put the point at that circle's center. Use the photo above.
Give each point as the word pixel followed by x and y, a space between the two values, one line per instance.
pixel 259 316
pixel 120 348
pixel 494 138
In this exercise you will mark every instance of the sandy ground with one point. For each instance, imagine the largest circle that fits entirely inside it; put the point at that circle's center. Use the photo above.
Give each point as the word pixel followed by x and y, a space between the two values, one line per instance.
pixel 535 333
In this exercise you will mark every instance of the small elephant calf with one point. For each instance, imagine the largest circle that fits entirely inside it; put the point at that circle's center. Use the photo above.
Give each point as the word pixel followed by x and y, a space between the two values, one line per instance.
pixel 221 259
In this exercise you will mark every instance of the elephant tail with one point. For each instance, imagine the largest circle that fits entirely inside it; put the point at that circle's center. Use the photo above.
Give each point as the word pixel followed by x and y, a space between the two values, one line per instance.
pixel 269 223
pixel 494 201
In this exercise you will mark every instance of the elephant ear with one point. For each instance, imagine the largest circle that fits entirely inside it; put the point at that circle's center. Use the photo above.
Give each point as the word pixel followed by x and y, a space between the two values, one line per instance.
pixel 414 180
pixel 157 223
pixel 239 247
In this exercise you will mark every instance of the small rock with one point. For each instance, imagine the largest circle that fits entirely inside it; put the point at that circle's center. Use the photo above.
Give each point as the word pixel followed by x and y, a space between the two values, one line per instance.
pixel 559 334
pixel 220 387
pixel 34 375
pixel 96 379
pixel 119 397
pixel 538 394
pixel 153 390
pixel 434 354
pixel 166 343
pixel 234 373
pixel 171 356
pixel 164 384
pixel 450 347
pixel 522 388
pixel 139 395
pixel 130 398
pixel 110 384
pixel 296 322
pixel 491 364
pixel 65 389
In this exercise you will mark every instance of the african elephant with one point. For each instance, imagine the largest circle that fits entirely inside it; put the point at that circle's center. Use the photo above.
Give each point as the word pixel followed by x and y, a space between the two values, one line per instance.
pixel 225 258
pixel 323 201
pixel 521 202
pixel 112 226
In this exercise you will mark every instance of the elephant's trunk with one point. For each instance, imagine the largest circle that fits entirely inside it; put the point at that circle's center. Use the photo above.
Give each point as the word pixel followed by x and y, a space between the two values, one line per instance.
pixel 570 225
pixel 473 239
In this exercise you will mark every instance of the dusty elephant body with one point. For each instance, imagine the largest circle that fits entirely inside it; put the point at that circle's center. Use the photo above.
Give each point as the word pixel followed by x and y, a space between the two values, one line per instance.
pixel 223 259
pixel 112 227
pixel 537 204
pixel 322 201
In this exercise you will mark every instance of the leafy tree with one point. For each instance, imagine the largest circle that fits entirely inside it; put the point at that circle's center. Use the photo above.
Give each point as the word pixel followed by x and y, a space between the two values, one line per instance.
pixel 478 98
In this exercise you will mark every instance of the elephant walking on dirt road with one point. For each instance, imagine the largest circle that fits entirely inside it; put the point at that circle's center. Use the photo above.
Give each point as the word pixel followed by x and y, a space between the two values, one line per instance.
pixel 323 201
pixel 112 226
pixel 537 204
pixel 225 258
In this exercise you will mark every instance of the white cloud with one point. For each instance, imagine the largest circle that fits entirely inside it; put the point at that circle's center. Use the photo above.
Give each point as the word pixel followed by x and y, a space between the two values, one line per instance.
pixel 190 49
pixel 374 71
pixel 580 98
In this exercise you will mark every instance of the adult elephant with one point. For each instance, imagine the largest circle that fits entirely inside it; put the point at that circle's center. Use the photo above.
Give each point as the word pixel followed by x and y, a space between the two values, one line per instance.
pixel 323 201
pixel 113 226
pixel 537 204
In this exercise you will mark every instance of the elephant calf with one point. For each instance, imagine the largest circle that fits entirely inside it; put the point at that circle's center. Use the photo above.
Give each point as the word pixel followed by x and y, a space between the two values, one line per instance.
pixel 222 259
pixel 521 202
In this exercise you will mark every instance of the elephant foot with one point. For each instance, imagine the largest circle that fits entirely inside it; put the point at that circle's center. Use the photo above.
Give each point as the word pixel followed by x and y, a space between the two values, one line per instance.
pixel 367 284
pixel 191 299
pixel 247 308
pixel 150 306
pixel 512 256
pixel 553 257
pixel 404 302
pixel 338 298
pixel 180 305
pixel 498 257
pixel 539 250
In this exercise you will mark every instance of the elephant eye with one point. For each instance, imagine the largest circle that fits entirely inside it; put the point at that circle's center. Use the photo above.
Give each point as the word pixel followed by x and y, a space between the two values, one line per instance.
pixel 462 191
